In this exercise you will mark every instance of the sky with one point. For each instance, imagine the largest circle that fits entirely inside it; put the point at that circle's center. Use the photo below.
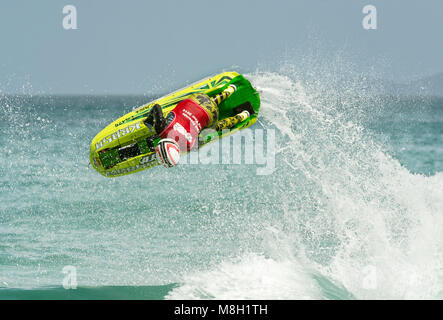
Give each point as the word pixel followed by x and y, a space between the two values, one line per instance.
pixel 147 47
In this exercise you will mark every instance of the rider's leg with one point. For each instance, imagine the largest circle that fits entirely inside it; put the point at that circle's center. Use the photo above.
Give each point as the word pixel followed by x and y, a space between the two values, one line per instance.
pixel 225 94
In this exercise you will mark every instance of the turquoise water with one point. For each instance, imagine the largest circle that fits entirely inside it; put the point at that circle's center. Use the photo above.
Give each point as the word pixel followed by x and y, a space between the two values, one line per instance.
pixel 353 210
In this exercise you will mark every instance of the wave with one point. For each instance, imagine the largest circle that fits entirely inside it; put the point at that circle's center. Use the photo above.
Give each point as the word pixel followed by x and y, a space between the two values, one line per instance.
pixel 355 223
pixel 339 218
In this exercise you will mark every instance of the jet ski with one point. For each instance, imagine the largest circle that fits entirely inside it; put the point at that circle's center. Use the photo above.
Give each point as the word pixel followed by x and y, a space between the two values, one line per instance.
pixel 127 145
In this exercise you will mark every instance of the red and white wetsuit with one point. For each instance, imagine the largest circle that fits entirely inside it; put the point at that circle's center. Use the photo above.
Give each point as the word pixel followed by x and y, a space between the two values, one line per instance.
pixel 189 118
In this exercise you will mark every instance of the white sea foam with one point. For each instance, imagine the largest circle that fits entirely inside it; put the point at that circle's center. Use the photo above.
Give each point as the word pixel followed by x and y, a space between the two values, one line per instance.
pixel 252 277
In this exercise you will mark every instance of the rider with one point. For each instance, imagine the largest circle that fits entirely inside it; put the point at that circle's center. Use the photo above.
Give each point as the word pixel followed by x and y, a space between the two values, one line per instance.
pixel 180 129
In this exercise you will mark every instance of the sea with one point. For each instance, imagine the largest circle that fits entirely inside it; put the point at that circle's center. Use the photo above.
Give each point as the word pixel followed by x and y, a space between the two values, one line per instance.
pixel 352 208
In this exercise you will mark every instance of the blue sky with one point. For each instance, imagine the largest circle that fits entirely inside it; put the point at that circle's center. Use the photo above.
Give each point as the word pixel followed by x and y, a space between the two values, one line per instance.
pixel 125 47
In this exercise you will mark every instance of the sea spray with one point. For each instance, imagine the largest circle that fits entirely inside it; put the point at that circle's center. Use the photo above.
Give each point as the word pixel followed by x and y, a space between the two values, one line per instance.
pixel 339 218
pixel 356 223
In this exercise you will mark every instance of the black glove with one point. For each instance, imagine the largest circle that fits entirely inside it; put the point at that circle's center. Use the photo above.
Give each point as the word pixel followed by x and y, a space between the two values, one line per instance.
pixel 156 119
